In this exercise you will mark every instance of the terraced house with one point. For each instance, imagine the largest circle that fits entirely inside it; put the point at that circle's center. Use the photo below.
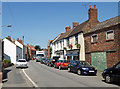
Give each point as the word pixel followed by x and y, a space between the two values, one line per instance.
pixel 102 44
pixel 70 45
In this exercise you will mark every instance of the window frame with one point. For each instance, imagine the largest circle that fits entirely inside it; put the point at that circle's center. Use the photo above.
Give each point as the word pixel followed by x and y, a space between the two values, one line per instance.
pixel 92 38
pixel 107 34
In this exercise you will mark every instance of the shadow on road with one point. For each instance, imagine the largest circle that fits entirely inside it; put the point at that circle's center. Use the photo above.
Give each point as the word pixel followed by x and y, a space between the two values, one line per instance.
pixel 5 75
pixel 114 83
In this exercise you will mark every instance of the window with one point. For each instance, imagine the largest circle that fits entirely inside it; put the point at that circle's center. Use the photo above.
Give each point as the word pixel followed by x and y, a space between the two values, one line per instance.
pixel 76 39
pixel 68 42
pixel 110 35
pixel 61 44
pixel 94 38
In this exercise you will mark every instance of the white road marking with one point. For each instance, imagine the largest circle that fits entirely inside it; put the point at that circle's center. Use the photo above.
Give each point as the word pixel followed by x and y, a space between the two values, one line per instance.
pixel 35 85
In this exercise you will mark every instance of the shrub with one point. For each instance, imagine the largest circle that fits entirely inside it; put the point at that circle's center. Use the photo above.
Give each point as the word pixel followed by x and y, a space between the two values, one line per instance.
pixel 5 61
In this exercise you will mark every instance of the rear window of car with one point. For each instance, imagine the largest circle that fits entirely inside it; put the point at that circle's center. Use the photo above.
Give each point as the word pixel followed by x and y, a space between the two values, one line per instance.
pixel 21 60
pixel 65 61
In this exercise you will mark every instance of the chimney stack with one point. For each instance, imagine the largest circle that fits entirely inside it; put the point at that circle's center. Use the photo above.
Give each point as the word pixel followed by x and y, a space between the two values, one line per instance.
pixel 68 28
pixel 93 16
pixel 9 38
pixel 75 24
pixel 93 13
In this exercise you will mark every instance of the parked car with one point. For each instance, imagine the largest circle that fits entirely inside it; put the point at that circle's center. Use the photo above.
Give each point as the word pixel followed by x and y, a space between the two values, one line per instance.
pixel 38 59
pixel 81 67
pixel 112 74
pixel 43 60
pixel 61 64
pixel 21 63
pixel 50 62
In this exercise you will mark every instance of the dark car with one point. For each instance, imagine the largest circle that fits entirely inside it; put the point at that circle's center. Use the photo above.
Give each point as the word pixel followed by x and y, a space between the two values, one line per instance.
pixel 112 74
pixel 81 67
pixel 43 60
pixel 51 62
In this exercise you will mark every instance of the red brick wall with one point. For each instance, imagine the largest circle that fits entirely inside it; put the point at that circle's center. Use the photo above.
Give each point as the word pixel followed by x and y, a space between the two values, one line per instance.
pixel 103 45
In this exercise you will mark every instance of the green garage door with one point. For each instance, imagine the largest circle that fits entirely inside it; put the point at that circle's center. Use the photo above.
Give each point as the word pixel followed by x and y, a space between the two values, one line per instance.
pixel 99 60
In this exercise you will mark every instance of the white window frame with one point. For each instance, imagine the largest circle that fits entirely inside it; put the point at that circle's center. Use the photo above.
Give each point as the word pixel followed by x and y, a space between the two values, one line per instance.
pixel 107 34
pixel 92 37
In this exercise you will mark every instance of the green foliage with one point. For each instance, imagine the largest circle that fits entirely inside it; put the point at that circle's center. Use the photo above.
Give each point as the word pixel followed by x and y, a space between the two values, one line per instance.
pixel 37 47
pixel 65 48
pixel 50 51
pixel 5 61
pixel 78 46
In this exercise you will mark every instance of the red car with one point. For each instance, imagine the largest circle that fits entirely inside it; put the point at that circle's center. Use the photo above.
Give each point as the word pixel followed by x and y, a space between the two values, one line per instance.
pixel 61 64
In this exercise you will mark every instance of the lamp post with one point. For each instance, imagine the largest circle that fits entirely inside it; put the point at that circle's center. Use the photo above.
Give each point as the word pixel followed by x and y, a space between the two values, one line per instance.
pixel 1 53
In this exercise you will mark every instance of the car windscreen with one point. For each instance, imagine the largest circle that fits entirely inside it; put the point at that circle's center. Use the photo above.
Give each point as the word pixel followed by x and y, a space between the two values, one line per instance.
pixel 83 63
pixel 40 55
pixel 21 61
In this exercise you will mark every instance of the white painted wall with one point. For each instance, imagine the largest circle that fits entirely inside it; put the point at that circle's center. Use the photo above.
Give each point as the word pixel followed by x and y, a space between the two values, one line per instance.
pixel 9 50
pixel 82 49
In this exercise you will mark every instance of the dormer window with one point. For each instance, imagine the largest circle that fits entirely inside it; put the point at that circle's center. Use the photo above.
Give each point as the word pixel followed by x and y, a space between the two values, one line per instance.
pixel 110 35
pixel 94 38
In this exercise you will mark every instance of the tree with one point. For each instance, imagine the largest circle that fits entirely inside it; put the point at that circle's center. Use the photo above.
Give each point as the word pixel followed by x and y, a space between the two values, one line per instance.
pixel 37 47
pixel 50 51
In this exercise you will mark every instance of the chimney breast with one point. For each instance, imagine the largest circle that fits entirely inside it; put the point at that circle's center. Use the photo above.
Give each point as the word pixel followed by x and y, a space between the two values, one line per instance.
pixel 9 38
pixel 75 24
pixel 68 28
pixel 93 13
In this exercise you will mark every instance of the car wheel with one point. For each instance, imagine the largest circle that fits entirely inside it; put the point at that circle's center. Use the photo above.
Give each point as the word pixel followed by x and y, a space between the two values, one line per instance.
pixel 79 72
pixel 49 65
pixel 69 70
pixel 54 66
pixel 108 79
pixel 59 67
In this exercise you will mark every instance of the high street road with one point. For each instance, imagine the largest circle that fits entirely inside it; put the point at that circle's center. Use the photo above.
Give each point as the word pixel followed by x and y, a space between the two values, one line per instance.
pixel 40 75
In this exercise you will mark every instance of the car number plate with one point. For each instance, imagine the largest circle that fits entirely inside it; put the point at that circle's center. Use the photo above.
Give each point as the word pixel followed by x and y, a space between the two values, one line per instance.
pixel 91 71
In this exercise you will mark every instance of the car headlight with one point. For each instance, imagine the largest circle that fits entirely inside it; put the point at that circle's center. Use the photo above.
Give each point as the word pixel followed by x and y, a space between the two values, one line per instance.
pixel 85 68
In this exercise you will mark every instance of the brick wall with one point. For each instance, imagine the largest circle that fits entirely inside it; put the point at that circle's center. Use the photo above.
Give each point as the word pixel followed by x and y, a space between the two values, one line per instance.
pixel 102 45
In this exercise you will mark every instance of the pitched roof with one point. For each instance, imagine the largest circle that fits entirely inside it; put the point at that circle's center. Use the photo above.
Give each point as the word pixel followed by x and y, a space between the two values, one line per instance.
pixel 107 23
pixel 64 35
pixel 79 28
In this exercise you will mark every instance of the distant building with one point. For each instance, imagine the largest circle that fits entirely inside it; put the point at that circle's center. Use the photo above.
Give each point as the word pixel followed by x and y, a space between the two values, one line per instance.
pixel 11 50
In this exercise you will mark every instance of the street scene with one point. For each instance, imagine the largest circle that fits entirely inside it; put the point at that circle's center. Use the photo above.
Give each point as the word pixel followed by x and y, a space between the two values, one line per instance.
pixel 60 45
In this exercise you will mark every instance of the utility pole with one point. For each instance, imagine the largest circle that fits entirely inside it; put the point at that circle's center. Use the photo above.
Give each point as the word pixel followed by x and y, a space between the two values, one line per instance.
pixel 23 49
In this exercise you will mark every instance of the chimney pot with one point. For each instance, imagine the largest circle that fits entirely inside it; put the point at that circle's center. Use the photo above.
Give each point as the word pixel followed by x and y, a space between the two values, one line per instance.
pixel 75 24
pixel 90 6
pixel 94 6
pixel 68 28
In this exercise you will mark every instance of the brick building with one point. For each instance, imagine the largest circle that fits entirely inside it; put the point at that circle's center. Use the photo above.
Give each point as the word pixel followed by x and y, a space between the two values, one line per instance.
pixel 102 44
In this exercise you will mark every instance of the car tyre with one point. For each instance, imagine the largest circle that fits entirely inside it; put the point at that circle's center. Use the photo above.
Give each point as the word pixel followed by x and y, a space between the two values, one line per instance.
pixel 69 70
pixel 49 65
pixel 79 72
pixel 108 79
pixel 59 67
pixel 54 66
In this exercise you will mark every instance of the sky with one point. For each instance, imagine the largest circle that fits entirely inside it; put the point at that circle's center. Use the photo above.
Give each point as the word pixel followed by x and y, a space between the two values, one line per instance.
pixel 39 22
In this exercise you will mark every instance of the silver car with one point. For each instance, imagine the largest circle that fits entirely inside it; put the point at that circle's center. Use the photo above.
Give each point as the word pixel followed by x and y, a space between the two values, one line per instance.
pixel 21 63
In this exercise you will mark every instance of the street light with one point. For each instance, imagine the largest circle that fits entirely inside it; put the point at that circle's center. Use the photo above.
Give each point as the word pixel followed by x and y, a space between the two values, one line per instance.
pixel 1 52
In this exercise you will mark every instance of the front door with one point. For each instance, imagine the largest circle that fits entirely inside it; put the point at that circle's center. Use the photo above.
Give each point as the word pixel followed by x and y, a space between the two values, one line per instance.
pixel 99 60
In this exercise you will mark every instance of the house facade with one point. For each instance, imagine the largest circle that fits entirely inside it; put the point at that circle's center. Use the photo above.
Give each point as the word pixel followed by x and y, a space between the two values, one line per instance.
pixel 70 45
pixel 102 44
pixel 11 50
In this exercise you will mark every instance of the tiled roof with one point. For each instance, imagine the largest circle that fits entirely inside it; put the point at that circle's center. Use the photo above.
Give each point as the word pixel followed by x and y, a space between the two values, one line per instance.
pixel 64 35
pixel 105 24
pixel 79 28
